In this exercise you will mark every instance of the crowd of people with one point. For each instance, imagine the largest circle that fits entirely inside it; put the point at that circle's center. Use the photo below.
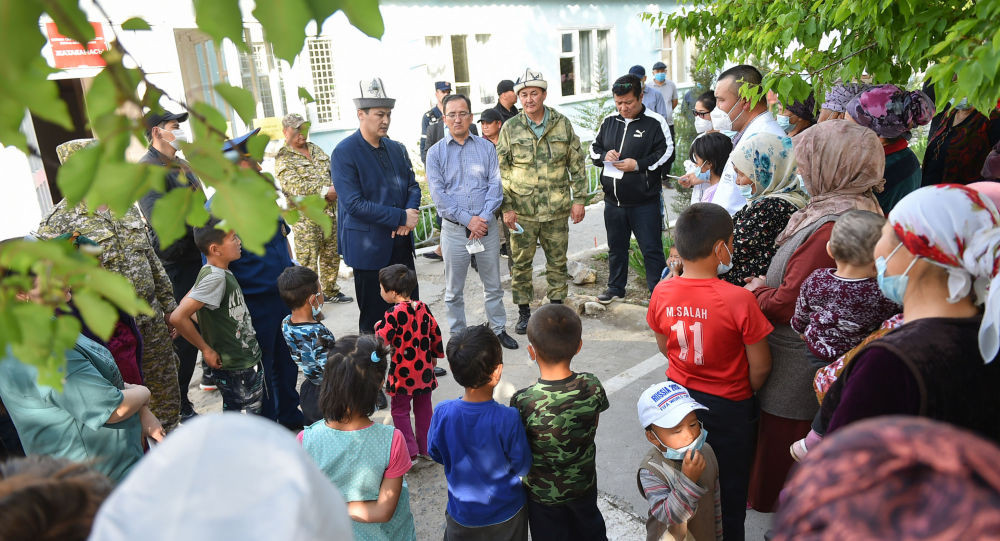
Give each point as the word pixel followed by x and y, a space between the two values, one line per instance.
pixel 821 278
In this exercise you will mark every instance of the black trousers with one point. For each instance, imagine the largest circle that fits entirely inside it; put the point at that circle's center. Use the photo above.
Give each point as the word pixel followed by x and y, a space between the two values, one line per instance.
pixel 670 161
pixel 577 520
pixel 368 293
pixel 182 278
pixel 732 427
pixel 644 222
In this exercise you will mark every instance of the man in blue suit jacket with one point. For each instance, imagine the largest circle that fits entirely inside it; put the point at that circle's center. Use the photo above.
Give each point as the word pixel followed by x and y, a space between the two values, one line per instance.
pixel 377 204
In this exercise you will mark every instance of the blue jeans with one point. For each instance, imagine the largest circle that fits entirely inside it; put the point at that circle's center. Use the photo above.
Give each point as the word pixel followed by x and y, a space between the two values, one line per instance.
pixel 621 223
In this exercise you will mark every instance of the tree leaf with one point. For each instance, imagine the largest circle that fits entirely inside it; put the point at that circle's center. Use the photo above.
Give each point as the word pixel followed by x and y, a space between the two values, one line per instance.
pixel 305 96
pixel 220 19
pixel 247 205
pixel 284 26
pixel 169 215
pixel 77 175
pixel 70 19
pixel 136 23
pixel 256 146
pixel 365 15
pixel 314 208
pixel 241 100
pixel 118 290
pixel 99 315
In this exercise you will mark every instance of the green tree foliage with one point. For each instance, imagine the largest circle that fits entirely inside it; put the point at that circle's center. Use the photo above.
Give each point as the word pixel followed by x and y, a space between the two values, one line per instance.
pixel 100 175
pixel 810 44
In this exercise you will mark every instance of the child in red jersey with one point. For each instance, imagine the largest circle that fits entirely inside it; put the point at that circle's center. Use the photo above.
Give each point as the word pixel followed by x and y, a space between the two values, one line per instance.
pixel 714 337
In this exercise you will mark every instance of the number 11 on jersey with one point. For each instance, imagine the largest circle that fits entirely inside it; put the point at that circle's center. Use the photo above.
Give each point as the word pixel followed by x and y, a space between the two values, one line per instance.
pixel 682 341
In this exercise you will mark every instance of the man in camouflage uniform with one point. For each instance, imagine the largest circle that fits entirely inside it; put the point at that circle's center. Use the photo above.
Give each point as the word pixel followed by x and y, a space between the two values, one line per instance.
pixel 126 250
pixel 541 160
pixel 303 168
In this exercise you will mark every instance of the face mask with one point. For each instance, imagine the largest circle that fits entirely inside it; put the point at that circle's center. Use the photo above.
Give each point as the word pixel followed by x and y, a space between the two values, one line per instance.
pixel 723 268
pixel 785 123
pixel 963 104
pixel 179 135
pixel 474 246
pixel 317 312
pixel 728 133
pixel 893 287
pixel 720 120
pixel 678 454
pixel 746 191
pixel 704 175
pixel 702 125
pixel 660 77
pixel 802 185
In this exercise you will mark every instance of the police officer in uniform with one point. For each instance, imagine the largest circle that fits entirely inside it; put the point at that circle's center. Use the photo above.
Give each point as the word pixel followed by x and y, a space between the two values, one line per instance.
pixel 441 89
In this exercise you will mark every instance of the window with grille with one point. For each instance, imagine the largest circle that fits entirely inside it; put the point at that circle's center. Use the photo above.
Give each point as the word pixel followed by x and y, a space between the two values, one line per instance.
pixel 467 61
pixel 323 80
pixel 676 54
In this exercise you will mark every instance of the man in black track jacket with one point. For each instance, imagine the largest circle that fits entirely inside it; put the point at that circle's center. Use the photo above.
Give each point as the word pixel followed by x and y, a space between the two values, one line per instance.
pixel 637 142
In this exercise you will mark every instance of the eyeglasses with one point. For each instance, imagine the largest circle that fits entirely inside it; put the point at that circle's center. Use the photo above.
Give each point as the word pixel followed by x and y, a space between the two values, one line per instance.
pixel 622 86
pixel 460 115
pixel 702 114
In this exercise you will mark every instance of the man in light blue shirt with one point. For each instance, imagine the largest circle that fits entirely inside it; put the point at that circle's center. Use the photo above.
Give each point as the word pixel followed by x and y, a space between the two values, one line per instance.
pixel 463 175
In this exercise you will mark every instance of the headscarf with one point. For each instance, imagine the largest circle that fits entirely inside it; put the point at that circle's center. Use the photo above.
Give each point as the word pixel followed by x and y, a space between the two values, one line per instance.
pixel 958 229
pixel 840 163
pixel 890 111
pixel 894 478
pixel 769 161
pixel 226 476
pixel 806 110
pixel 841 93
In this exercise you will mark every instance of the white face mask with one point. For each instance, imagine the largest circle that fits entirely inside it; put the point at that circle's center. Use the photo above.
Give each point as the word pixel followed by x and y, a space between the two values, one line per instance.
pixel 702 125
pixel 179 135
pixel 721 120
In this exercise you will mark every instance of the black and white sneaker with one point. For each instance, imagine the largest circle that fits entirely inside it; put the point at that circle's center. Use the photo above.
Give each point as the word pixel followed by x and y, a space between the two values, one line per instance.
pixel 339 298
pixel 608 297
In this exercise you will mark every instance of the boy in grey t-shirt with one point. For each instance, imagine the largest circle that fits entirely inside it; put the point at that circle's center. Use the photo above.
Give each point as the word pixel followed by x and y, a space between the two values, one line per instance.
pixel 227 339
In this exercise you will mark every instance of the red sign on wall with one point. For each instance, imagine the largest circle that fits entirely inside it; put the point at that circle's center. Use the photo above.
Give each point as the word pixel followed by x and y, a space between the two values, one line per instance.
pixel 69 53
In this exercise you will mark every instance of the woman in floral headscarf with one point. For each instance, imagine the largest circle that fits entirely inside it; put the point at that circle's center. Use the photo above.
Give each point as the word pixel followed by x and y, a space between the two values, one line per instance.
pixel 939 256
pixel 892 113
pixel 765 170
pixel 841 163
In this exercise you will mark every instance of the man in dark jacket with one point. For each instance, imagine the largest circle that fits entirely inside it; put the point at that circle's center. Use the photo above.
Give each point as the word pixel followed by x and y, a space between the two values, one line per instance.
pixel 631 146
pixel 182 259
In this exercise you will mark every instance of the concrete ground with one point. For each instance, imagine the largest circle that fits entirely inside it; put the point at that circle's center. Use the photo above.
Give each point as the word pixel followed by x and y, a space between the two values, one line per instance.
pixel 617 347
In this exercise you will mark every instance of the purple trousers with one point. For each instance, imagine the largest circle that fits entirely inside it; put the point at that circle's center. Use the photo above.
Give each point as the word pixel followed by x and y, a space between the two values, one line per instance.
pixel 422 411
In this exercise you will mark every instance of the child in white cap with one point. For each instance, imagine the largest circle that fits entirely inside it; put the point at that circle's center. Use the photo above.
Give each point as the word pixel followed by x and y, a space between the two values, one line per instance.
pixel 680 477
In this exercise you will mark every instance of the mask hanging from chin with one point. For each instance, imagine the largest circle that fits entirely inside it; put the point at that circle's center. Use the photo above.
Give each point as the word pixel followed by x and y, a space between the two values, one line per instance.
pixel 678 454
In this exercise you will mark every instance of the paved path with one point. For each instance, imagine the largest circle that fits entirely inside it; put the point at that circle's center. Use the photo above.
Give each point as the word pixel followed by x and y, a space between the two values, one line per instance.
pixel 617 347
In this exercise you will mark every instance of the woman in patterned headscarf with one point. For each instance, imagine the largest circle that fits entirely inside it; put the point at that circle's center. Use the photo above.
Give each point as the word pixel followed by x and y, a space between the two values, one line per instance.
pixel 894 478
pixel 837 99
pixel 939 256
pixel 800 116
pixel 764 162
pixel 841 164
pixel 892 113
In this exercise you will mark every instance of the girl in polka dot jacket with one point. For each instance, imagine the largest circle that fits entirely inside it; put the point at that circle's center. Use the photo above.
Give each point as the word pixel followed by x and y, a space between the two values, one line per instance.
pixel 415 337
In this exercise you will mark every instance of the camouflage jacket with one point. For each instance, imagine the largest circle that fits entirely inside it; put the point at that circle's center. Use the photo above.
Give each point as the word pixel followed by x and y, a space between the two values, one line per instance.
pixel 299 175
pixel 126 249
pixel 538 173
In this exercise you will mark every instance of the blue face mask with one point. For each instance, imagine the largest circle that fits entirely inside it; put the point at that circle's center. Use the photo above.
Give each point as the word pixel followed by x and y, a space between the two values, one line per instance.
pixel 785 123
pixel 317 312
pixel 728 133
pixel 660 77
pixel 678 454
pixel 704 175
pixel 746 191
pixel 723 268
pixel 893 287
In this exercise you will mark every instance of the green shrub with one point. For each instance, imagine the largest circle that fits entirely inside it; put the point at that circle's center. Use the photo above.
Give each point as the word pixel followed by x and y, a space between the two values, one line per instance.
pixel 635 260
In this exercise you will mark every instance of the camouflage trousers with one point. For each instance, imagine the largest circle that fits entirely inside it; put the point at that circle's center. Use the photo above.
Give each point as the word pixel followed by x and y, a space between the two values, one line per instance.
pixel 159 370
pixel 554 238
pixel 318 253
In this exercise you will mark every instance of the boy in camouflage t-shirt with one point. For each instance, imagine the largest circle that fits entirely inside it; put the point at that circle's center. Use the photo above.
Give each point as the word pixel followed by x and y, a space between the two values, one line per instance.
pixel 560 414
